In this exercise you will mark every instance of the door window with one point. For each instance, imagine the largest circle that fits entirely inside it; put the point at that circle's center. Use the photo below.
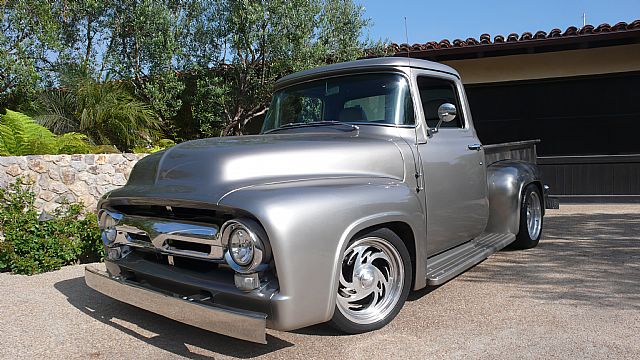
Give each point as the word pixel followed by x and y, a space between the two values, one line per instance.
pixel 435 92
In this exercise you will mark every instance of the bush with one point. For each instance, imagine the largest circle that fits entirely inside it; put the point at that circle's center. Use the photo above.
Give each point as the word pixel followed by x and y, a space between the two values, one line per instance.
pixel 29 245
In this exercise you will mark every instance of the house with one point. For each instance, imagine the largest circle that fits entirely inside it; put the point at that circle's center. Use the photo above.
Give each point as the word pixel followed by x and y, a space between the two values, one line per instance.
pixel 577 90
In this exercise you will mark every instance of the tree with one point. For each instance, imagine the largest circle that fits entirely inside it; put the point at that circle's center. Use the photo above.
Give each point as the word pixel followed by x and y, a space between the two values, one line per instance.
pixel 155 43
pixel 30 32
pixel 105 112
pixel 267 39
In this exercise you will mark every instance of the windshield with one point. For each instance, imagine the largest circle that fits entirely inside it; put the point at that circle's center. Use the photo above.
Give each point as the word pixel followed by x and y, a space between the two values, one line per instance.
pixel 362 99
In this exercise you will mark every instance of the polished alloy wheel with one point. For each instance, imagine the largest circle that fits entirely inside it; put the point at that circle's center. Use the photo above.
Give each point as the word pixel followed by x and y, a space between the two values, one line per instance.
pixel 371 280
pixel 534 215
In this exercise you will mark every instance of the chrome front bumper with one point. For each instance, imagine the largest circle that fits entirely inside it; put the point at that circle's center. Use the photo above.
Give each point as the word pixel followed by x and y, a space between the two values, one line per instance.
pixel 236 323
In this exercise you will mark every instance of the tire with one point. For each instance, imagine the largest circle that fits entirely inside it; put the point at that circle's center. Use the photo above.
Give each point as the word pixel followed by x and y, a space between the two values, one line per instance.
pixel 531 218
pixel 370 300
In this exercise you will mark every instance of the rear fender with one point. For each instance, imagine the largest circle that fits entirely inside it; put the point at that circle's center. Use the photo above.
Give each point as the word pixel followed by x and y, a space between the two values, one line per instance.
pixel 506 181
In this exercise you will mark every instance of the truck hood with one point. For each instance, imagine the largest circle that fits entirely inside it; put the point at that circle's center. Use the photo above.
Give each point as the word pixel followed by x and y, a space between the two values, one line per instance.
pixel 207 169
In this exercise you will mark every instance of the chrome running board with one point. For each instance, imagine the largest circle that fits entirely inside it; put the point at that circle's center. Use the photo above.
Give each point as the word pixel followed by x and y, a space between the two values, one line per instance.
pixel 447 265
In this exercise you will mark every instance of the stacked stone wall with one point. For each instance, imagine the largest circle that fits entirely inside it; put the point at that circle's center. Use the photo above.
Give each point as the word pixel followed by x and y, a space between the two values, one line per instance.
pixel 74 178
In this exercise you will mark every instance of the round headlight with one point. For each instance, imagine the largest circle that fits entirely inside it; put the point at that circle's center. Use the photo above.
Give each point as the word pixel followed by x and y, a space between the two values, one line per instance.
pixel 241 247
pixel 108 223
pixel 247 249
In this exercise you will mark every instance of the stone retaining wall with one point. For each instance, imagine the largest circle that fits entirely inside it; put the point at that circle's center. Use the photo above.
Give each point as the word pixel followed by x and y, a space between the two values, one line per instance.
pixel 75 178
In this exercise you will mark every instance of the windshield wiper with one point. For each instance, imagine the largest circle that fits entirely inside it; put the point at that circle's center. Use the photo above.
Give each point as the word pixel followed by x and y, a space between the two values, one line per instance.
pixel 313 124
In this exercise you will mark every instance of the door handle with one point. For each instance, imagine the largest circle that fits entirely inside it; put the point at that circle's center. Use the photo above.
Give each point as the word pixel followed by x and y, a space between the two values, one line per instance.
pixel 476 147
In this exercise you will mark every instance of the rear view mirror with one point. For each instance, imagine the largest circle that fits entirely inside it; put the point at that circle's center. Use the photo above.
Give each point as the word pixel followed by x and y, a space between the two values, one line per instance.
pixel 446 112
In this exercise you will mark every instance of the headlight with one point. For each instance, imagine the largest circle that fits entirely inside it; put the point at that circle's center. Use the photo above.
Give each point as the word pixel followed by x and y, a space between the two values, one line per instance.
pixel 107 222
pixel 241 247
pixel 246 247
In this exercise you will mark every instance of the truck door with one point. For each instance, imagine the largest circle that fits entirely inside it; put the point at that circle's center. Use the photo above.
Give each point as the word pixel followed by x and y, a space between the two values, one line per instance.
pixel 454 173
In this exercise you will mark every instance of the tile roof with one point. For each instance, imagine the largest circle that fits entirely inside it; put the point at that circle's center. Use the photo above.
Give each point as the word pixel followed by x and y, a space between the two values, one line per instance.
pixel 513 38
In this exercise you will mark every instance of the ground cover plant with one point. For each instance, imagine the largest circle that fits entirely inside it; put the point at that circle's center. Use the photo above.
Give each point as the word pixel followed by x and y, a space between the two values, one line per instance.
pixel 32 242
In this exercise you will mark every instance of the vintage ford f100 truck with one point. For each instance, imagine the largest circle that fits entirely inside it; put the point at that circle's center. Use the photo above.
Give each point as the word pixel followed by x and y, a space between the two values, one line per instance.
pixel 368 180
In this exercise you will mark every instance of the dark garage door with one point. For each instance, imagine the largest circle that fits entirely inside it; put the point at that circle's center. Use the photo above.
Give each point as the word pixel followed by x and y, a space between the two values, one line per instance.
pixel 589 127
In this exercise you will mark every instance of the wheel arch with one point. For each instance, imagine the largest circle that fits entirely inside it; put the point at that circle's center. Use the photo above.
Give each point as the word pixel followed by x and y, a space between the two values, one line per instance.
pixel 505 181
pixel 404 231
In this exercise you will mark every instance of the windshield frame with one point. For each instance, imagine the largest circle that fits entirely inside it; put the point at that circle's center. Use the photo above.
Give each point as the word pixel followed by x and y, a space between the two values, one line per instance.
pixel 397 72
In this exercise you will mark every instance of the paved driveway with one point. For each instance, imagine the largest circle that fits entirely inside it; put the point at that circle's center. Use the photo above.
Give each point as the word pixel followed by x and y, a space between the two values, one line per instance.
pixel 575 296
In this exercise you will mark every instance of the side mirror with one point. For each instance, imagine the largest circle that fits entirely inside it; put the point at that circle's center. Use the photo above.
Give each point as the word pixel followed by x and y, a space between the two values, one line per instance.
pixel 446 112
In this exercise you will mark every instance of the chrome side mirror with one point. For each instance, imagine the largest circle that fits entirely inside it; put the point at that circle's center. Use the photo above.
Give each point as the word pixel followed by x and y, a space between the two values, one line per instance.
pixel 446 112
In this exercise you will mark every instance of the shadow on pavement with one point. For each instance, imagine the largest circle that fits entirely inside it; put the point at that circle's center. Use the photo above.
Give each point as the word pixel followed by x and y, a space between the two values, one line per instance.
pixel 582 259
pixel 159 331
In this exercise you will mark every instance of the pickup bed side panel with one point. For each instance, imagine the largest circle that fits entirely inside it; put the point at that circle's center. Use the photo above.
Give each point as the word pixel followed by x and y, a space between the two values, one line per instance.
pixel 309 224
pixel 505 181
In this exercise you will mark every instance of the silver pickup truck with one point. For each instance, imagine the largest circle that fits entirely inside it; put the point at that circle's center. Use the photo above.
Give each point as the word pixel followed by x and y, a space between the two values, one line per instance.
pixel 367 181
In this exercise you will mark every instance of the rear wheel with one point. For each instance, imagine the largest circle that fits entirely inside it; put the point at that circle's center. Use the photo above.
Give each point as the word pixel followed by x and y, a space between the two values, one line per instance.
pixel 530 218
pixel 375 279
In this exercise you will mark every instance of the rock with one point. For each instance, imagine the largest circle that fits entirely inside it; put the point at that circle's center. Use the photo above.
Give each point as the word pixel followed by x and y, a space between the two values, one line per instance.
pixel 79 188
pixel 46 195
pixel 58 188
pixel 44 181
pixel 14 170
pixel 62 160
pixel 119 180
pixel 66 197
pixel 89 159
pixel 68 176
pixel 93 169
pixel 37 165
pixel 101 159
pixel 79 166
pixel 106 169
pixel 76 157
pixel 7 160
pixel 21 161
pixel 116 159
pixel 103 179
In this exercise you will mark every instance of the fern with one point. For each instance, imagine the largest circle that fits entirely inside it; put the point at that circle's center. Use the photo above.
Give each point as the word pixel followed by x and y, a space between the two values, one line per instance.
pixel 21 135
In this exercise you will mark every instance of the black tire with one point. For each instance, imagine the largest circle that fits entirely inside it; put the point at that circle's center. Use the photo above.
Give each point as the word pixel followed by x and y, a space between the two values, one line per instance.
pixel 524 239
pixel 342 322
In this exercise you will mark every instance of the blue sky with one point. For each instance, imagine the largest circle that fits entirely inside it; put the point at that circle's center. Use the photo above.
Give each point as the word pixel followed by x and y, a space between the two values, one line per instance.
pixel 451 19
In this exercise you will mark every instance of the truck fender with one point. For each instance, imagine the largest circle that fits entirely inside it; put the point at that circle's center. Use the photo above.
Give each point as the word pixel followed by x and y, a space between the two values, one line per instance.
pixel 309 224
pixel 505 182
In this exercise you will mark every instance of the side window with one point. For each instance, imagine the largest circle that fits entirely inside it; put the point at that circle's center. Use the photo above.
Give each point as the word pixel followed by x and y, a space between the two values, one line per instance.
pixel 435 92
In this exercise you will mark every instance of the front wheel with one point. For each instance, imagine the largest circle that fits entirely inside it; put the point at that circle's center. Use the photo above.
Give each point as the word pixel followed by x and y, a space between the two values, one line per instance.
pixel 375 279
pixel 530 218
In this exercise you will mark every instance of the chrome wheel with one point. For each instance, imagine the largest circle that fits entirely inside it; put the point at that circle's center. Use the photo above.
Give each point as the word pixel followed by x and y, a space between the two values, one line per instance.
pixel 371 280
pixel 534 215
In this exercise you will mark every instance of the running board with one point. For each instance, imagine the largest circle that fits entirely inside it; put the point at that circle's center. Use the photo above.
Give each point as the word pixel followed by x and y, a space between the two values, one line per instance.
pixel 447 265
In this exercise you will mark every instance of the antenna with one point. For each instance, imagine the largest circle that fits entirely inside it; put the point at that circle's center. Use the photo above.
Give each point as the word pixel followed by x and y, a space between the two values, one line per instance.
pixel 406 37
pixel 584 19
pixel 418 162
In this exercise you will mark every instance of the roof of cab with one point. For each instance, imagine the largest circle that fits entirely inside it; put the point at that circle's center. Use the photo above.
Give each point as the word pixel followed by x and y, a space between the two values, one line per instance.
pixel 366 63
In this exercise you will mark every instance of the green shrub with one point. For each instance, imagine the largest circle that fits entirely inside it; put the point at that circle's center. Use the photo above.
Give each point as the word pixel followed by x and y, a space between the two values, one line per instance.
pixel 30 246
pixel 21 135
pixel 160 145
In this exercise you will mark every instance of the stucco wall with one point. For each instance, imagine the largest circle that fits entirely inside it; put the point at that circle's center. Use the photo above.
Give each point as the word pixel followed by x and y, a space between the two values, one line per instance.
pixel 604 60
pixel 75 178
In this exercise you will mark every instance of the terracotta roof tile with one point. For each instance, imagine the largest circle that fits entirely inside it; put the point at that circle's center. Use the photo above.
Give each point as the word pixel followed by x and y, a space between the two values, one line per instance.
pixel 485 39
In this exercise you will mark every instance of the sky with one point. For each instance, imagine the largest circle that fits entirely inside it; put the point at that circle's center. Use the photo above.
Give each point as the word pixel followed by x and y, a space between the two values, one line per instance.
pixel 452 19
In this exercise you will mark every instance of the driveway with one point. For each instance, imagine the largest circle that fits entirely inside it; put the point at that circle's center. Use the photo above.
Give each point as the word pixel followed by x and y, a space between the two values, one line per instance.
pixel 577 295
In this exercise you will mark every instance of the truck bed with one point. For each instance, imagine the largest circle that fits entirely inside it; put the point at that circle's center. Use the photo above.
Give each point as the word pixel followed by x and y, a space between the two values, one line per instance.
pixel 517 150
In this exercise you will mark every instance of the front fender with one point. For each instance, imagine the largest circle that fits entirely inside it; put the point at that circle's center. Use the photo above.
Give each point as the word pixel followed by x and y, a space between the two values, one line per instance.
pixel 309 224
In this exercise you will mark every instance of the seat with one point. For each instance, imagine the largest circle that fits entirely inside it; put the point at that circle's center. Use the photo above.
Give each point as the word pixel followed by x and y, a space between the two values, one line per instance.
pixel 352 114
